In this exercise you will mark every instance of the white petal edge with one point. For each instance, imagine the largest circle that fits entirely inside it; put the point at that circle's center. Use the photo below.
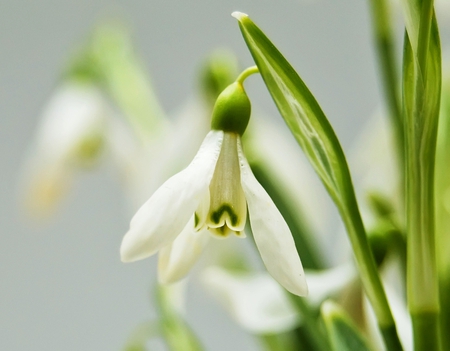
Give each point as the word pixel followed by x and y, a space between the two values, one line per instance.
pixel 271 233
pixel 158 222
pixel 255 300
pixel 176 259
pixel 239 15
pixel 327 283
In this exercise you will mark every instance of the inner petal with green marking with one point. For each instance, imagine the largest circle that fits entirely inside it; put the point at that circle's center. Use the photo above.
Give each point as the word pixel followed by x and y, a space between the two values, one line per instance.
pixel 228 207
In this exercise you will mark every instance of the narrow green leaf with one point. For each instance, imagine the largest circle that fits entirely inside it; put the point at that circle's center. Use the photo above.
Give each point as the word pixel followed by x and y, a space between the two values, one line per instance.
pixel 421 100
pixel 342 332
pixel 421 96
pixel 316 137
pixel 300 110
pixel 442 200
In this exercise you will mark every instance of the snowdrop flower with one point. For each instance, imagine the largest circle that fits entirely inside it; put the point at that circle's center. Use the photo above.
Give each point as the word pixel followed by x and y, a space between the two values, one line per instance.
pixel 258 304
pixel 210 198
pixel 71 135
pixel 254 300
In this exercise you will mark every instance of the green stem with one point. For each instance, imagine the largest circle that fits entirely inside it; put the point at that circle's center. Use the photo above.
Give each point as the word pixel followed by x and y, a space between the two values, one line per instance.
pixel 127 82
pixel 246 73
pixel 280 342
pixel 384 39
pixel 425 331
pixel 368 271
pixel 310 324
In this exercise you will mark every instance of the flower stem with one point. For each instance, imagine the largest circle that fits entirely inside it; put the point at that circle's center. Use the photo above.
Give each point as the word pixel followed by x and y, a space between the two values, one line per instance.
pixel 425 331
pixel 311 325
pixel 126 81
pixel 368 271
pixel 246 73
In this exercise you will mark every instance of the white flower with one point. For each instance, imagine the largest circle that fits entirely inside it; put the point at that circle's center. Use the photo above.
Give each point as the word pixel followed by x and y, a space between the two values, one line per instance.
pixel 71 135
pixel 254 300
pixel 78 128
pixel 212 195
pixel 259 304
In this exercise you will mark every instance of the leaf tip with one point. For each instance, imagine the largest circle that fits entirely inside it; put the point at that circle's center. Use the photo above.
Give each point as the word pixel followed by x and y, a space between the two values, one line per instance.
pixel 239 15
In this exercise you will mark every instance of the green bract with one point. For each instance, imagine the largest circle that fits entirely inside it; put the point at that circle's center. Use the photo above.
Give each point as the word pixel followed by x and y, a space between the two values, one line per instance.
pixel 232 110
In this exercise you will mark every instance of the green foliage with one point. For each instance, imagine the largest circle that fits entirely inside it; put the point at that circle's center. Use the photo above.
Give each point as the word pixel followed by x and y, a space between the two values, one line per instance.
pixel 177 334
pixel 342 333
pixel 316 137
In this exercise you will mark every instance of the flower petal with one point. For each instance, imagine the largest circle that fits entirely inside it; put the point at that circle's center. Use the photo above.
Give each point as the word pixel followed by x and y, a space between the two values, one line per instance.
pixel 327 283
pixel 255 300
pixel 166 213
pixel 176 259
pixel 272 235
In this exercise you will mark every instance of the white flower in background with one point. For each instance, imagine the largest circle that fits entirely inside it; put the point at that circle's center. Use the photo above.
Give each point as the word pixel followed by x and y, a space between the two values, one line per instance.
pixel 259 304
pixel 70 136
pixel 211 196
pixel 169 151
pixel 254 300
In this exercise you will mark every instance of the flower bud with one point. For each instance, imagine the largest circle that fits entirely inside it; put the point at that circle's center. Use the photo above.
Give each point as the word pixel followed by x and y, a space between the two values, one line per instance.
pixel 232 110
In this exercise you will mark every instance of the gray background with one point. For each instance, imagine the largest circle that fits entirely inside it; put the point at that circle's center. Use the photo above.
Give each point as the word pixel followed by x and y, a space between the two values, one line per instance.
pixel 63 286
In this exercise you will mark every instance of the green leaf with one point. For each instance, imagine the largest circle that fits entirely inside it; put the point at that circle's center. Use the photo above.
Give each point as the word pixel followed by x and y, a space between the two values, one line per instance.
pixel 316 137
pixel 442 201
pixel 300 110
pixel 421 99
pixel 342 333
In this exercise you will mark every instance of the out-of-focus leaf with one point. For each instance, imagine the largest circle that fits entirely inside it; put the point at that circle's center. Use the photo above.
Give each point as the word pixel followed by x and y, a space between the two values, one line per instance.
pixel 342 333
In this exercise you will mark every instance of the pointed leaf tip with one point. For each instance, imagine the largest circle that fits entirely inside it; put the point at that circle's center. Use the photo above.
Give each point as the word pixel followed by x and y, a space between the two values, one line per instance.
pixel 239 15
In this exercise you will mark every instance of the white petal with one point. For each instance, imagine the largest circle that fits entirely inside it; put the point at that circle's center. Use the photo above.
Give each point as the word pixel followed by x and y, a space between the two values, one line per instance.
pixel 272 235
pixel 254 300
pixel 284 160
pixel 74 112
pixel 327 283
pixel 176 259
pixel 166 213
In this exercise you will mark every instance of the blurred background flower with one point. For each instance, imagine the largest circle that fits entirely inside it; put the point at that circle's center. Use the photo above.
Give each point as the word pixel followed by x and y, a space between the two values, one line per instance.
pixel 63 285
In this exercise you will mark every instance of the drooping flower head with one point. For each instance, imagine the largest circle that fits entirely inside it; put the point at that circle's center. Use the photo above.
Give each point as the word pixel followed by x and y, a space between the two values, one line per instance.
pixel 210 198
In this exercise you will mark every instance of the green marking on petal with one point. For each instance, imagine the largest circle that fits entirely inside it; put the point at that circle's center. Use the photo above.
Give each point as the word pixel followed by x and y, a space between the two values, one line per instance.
pixel 196 220
pixel 217 215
